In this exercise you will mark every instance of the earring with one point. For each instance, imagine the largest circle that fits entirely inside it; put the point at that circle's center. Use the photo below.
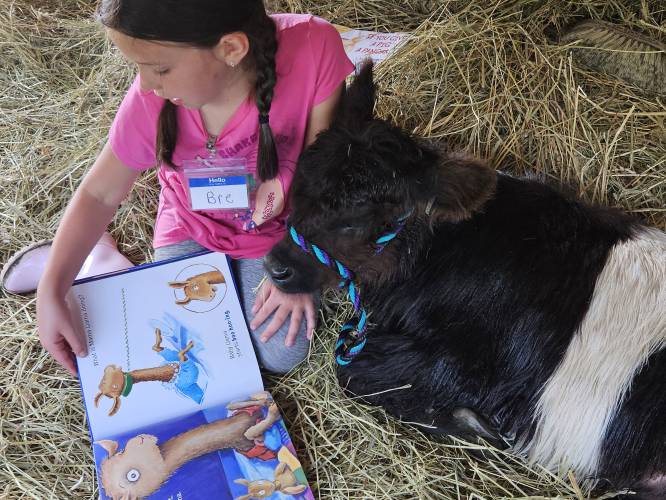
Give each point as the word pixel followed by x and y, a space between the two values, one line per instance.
pixel 232 64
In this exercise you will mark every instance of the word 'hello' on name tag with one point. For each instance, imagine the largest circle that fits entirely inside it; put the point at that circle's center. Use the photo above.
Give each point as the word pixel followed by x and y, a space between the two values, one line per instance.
pixel 211 193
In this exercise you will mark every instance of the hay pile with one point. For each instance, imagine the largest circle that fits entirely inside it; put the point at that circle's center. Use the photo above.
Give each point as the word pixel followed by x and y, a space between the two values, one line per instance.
pixel 481 75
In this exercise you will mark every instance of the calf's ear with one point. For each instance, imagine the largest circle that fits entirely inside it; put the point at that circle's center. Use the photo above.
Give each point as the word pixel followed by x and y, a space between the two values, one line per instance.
pixel 358 101
pixel 455 188
pixel 111 447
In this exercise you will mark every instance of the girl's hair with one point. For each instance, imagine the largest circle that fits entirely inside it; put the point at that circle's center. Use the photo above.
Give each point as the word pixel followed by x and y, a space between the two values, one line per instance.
pixel 201 23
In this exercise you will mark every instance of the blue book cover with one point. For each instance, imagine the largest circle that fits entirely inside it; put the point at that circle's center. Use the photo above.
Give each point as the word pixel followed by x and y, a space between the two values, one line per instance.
pixel 239 452
pixel 173 393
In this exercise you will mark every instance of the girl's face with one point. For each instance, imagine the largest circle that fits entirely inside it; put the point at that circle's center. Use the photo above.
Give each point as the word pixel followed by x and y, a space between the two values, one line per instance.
pixel 185 75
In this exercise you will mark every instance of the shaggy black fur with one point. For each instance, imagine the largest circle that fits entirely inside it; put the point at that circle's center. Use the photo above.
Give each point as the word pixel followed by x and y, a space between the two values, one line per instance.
pixel 639 427
pixel 475 302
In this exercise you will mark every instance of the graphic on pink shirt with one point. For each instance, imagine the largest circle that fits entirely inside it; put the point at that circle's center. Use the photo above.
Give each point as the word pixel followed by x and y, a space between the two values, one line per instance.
pixel 311 64
pixel 249 142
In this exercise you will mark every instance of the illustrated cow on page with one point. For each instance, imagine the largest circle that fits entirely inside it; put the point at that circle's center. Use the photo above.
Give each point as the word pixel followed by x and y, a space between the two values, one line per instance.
pixel 198 287
pixel 512 312
pixel 285 482
pixel 144 465
pixel 178 370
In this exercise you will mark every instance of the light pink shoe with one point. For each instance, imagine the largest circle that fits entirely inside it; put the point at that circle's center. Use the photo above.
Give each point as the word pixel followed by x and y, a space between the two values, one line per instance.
pixel 20 275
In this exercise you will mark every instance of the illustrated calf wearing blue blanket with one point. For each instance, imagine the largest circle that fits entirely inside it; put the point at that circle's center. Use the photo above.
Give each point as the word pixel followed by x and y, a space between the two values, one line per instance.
pixel 487 305
pixel 180 371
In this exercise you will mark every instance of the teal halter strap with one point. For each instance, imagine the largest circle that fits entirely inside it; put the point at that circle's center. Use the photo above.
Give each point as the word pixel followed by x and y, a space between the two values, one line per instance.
pixel 352 336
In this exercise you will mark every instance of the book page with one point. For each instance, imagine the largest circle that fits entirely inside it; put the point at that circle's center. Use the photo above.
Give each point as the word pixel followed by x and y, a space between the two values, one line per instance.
pixel 164 340
pixel 236 451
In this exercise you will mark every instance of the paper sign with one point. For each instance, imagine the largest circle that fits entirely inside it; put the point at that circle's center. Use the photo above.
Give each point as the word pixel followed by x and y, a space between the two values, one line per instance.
pixel 361 45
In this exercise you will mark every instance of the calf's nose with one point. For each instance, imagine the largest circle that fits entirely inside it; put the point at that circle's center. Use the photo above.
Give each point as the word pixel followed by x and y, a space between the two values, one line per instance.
pixel 278 271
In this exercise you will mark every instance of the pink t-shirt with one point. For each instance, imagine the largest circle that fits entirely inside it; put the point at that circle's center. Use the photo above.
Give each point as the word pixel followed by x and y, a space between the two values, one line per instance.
pixel 311 64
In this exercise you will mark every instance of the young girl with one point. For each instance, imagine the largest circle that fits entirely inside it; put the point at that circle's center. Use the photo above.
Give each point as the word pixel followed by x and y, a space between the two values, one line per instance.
pixel 216 79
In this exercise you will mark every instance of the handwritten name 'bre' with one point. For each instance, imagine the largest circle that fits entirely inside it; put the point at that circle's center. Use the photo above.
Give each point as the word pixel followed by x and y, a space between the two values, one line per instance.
pixel 214 198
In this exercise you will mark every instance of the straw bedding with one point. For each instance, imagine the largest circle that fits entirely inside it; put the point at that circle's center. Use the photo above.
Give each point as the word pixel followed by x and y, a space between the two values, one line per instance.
pixel 485 76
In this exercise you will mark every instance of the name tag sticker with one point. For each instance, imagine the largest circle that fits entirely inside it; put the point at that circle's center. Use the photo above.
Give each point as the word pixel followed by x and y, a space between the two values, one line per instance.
pixel 219 184
pixel 210 193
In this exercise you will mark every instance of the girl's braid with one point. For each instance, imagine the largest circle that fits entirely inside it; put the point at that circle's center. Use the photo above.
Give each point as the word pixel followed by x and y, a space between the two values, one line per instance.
pixel 167 133
pixel 263 46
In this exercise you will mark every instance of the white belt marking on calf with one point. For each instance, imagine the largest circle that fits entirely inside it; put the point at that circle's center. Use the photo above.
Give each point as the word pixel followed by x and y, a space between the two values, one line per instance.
pixel 624 325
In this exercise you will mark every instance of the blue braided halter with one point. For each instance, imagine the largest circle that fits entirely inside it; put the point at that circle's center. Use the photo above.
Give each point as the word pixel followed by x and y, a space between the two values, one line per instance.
pixel 352 336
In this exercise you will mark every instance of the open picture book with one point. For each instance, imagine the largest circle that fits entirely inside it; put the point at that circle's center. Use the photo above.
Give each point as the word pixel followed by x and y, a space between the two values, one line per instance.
pixel 172 389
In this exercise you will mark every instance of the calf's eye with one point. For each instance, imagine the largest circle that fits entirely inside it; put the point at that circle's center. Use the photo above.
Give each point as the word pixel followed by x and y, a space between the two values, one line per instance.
pixel 350 230
pixel 133 475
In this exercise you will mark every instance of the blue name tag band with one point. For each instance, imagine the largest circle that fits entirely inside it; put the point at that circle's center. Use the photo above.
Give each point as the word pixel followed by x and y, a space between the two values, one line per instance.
pixel 237 180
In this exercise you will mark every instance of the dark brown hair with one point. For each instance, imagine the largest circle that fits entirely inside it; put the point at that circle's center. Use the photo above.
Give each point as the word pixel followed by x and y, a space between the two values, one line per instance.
pixel 201 23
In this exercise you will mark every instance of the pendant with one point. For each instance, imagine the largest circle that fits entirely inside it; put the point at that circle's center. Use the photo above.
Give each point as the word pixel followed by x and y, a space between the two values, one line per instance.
pixel 210 145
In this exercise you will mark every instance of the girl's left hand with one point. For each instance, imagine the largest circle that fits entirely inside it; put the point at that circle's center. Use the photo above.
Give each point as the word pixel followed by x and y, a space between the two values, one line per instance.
pixel 271 299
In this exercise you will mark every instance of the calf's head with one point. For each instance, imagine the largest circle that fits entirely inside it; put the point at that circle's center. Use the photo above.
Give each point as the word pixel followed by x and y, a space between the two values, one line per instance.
pixel 352 184
pixel 198 287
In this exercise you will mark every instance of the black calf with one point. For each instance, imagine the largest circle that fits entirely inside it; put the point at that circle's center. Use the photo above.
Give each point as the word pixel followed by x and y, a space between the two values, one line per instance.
pixel 501 300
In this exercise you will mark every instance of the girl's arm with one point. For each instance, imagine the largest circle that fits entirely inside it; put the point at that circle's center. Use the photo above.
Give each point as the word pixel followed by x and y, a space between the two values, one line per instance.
pixel 88 214
pixel 322 115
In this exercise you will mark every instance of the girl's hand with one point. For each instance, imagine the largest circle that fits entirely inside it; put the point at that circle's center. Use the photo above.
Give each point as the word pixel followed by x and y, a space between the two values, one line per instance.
pixel 271 299
pixel 57 332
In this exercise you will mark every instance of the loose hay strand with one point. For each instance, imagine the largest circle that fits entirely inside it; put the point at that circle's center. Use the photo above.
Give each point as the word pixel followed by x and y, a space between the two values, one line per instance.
pixel 482 76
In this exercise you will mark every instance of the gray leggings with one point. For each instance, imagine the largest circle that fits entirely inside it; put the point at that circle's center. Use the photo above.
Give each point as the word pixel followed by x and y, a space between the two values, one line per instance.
pixel 273 355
